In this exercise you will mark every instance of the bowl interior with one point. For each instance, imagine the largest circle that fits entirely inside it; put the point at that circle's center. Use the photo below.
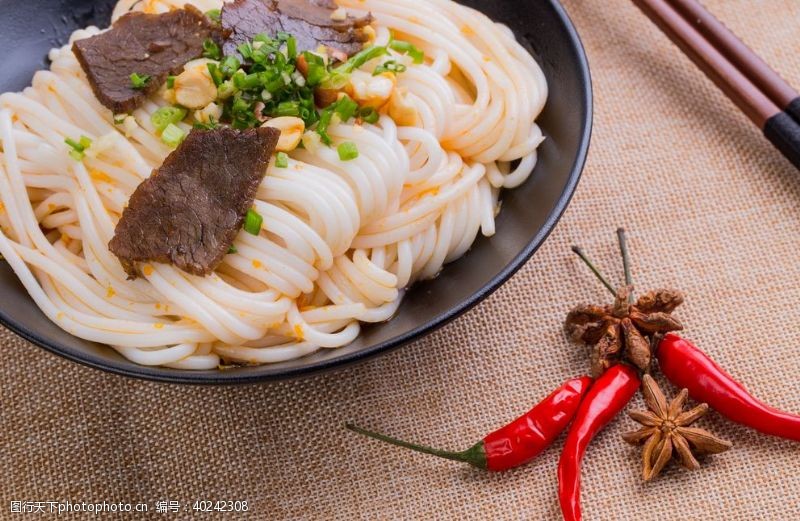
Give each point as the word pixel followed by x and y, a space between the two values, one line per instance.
pixel 32 27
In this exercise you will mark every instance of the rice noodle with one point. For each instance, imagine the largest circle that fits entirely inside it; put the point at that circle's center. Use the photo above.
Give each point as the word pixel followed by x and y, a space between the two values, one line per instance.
pixel 341 240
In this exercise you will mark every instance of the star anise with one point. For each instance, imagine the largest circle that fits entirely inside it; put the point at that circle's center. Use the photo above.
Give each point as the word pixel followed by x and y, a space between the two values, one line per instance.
pixel 622 330
pixel 666 433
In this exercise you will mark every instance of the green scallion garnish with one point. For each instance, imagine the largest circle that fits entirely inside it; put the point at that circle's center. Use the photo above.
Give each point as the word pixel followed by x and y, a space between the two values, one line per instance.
pixel 216 74
pixel 316 68
pixel 173 135
pixel 347 151
pixel 282 160
pixel 166 116
pixel 170 82
pixel 407 48
pixel 215 15
pixel 211 125
pixel 233 249
pixel 389 66
pixel 369 115
pixel 229 66
pixel 361 58
pixel 78 148
pixel 253 222
pixel 291 47
pixel 226 89
pixel 263 79
pixel 211 50
pixel 345 107
pixel 287 108
pixel 139 81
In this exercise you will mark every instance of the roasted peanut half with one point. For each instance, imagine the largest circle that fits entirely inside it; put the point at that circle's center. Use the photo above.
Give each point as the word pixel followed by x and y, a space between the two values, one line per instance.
pixel 291 128
pixel 194 89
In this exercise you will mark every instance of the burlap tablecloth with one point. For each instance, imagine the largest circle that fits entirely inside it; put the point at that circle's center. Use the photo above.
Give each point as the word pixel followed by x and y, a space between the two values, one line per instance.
pixel 711 209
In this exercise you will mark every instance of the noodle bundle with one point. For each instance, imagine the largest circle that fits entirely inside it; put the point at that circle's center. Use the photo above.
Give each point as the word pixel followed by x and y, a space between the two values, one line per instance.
pixel 341 240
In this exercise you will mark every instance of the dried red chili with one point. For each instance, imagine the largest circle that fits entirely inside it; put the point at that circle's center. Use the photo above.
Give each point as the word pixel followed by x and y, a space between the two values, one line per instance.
pixel 518 442
pixel 607 397
pixel 687 366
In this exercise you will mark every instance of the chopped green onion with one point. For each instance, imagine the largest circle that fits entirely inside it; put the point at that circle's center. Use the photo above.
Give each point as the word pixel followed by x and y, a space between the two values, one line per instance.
pixel 336 80
pixel 139 81
pixel 166 116
pixel 119 119
pixel 407 48
pixel 346 107
pixel 253 222
pixel 361 58
pixel 316 68
pixel 287 108
pixel 291 47
pixel 216 74
pixel 229 66
pixel 170 82
pixel 214 15
pixel 246 81
pixel 389 66
pixel 78 148
pixel 226 89
pixel 347 151
pixel 324 123
pixel 233 249
pixel 281 160
pixel 173 135
pixel 275 84
pixel 211 125
pixel 369 114
pixel 263 79
pixel 322 128
pixel 74 144
pixel 240 104
pixel 338 77
pixel 246 50
pixel 271 44
pixel 211 50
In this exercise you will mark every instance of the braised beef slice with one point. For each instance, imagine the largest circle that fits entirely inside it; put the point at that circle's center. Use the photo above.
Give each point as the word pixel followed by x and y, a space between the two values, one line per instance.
pixel 188 212
pixel 309 21
pixel 157 45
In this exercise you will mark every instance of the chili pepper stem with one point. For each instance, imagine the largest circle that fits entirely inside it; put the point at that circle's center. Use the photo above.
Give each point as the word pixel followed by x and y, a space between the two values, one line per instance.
pixel 474 455
pixel 626 260
pixel 579 252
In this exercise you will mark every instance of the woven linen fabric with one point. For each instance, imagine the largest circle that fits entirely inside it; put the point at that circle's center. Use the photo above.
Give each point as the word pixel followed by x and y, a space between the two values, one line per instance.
pixel 711 209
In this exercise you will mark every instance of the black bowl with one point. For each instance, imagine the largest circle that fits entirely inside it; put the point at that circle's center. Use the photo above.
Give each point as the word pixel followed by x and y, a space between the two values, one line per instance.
pixel 31 27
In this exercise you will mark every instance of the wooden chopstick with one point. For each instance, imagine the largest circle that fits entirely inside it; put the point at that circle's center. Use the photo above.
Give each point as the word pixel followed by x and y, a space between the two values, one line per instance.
pixel 777 125
pixel 738 53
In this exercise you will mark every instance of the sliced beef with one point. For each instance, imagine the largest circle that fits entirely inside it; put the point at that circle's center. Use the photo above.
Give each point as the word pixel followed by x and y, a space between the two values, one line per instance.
pixel 157 45
pixel 190 210
pixel 307 20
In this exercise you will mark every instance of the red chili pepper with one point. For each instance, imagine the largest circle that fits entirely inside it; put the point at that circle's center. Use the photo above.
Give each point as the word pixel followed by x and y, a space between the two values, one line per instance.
pixel 518 442
pixel 686 366
pixel 607 397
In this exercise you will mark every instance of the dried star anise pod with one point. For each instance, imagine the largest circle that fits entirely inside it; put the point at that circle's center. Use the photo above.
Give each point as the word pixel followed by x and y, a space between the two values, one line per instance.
pixel 621 331
pixel 666 433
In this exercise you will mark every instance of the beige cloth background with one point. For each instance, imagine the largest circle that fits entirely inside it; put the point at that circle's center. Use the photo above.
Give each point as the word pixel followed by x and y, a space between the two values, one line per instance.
pixel 712 209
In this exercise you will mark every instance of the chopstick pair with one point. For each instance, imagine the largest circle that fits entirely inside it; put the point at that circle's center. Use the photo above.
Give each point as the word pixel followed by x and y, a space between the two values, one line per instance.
pixel 771 103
